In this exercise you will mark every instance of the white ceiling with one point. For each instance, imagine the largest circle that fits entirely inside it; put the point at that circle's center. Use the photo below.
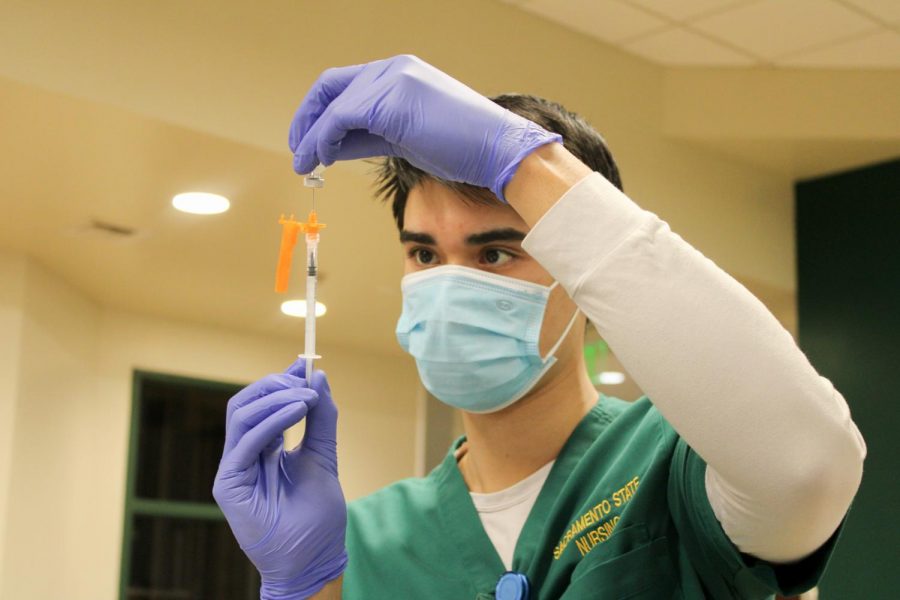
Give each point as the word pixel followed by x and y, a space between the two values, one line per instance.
pixel 859 34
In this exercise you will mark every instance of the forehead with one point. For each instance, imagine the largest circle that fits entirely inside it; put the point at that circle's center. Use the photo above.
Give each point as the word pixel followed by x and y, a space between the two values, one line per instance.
pixel 438 210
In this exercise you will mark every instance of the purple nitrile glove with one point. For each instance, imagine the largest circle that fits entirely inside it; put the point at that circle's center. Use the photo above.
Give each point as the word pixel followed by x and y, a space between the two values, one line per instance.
pixel 404 107
pixel 285 508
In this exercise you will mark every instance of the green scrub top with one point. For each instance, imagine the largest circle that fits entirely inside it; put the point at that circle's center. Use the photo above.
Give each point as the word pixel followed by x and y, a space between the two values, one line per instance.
pixel 623 514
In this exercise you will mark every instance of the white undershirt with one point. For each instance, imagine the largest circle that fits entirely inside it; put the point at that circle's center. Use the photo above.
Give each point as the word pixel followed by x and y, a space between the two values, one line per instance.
pixel 503 513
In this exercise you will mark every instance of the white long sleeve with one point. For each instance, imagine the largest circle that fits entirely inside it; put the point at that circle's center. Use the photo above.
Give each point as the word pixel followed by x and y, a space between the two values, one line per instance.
pixel 784 457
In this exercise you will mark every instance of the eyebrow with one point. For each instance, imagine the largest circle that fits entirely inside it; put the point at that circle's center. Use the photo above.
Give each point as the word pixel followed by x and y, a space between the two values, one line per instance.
pixel 506 234
pixel 419 238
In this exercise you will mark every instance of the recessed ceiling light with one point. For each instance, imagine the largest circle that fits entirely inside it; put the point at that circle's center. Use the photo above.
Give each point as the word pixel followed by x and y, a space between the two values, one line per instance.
pixel 297 308
pixel 201 203
pixel 611 378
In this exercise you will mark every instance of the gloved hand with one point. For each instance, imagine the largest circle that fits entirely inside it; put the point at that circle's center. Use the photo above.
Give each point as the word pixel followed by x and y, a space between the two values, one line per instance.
pixel 286 508
pixel 404 107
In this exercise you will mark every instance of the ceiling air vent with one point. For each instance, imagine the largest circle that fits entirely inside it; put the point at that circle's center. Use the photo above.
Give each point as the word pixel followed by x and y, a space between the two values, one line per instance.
pixel 105 227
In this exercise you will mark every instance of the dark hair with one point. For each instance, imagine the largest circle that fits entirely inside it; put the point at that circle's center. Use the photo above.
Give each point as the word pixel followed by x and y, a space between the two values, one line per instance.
pixel 396 176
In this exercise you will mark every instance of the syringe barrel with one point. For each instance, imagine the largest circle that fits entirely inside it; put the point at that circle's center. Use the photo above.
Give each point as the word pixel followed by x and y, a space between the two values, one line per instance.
pixel 312 273
pixel 312 254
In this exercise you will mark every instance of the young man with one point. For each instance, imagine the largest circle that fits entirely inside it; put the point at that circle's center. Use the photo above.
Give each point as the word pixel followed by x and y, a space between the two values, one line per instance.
pixel 729 480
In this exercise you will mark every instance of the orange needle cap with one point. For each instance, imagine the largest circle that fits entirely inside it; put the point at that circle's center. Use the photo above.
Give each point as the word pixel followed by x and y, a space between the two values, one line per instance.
pixel 289 231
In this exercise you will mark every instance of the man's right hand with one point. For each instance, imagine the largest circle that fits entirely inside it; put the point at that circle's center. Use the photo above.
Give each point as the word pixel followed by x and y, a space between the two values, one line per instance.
pixel 402 106
pixel 286 508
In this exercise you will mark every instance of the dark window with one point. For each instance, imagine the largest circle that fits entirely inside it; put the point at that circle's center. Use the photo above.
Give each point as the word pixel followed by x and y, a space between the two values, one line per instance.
pixel 177 544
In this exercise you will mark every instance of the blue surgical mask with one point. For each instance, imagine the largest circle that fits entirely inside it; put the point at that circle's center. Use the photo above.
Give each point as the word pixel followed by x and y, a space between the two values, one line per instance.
pixel 475 335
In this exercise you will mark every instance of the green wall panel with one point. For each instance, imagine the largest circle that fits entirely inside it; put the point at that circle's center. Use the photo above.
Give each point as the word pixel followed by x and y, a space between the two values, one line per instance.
pixel 848 259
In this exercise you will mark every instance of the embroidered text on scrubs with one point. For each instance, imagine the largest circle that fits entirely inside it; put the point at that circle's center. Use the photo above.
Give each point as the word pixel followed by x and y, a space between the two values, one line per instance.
pixel 594 515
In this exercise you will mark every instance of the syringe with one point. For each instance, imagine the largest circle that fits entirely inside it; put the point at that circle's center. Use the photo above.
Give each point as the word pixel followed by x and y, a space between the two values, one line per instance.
pixel 288 240
pixel 311 228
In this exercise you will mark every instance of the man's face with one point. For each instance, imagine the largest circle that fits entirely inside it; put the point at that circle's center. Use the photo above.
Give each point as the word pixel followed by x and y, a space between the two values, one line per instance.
pixel 442 228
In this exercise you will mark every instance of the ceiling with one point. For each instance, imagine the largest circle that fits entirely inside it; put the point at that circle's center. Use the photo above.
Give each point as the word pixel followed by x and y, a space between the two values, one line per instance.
pixel 107 109
pixel 857 34
pixel 65 163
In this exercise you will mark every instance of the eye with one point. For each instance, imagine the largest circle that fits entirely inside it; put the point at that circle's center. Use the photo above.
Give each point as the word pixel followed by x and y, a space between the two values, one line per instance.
pixel 423 256
pixel 497 256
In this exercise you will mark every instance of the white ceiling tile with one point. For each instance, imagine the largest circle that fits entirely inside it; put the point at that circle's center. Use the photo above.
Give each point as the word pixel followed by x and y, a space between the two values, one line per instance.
pixel 683 48
pixel 878 51
pixel 884 10
pixel 680 10
pixel 606 20
pixel 771 28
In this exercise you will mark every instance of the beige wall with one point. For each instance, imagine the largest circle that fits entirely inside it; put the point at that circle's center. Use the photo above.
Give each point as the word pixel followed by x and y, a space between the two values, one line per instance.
pixel 55 379
pixel 65 397
pixel 12 283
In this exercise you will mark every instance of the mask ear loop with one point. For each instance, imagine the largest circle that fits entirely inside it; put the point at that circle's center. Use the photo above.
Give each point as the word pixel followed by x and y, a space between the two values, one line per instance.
pixel 565 332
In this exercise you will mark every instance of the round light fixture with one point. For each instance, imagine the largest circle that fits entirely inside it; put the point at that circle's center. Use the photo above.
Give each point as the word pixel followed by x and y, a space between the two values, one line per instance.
pixel 201 203
pixel 610 377
pixel 297 308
